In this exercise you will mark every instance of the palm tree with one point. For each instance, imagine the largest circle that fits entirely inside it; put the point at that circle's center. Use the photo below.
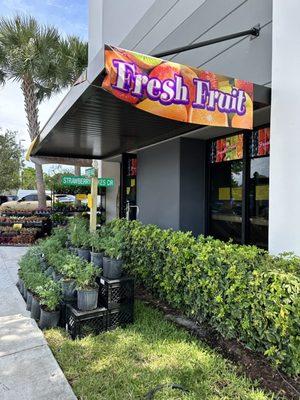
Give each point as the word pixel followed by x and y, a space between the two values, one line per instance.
pixel 44 63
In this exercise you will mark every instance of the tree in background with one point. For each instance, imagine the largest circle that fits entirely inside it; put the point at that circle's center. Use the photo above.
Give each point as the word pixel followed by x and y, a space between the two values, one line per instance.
pixel 10 161
pixel 43 63
pixel 28 178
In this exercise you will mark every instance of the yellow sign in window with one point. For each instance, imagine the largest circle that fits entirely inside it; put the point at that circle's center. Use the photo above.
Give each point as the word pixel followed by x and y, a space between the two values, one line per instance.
pixel 81 196
pixel 224 193
pixel 262 192
pixel 237 193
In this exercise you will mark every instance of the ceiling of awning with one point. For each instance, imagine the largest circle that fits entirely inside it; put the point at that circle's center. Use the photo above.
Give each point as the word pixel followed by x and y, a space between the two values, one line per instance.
pixel 91 123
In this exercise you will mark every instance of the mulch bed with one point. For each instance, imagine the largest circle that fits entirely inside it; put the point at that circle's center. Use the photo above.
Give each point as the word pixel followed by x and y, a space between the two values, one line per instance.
pixel 254 365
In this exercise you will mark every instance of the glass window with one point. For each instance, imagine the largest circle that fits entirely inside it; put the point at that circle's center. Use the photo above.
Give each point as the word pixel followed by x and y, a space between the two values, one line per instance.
pixel 226 200
pixel 227 185
pixel 259 201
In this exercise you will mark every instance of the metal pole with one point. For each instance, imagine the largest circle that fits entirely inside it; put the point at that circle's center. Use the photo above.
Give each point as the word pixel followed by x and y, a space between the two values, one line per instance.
pixel 94 195
pixel 253 32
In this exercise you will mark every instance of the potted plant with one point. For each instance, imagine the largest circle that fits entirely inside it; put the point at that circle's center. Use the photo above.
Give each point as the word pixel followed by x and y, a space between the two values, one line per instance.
pixel 50 298
pixel 87 289
pixel 84 245
pixel 69 270
pixel 36 280
pixel 112 262
pixel 97 244
pixel 76 226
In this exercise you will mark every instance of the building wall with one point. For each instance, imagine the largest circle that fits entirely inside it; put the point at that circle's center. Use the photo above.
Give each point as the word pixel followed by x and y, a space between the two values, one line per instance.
pixel 152 26
pixel 158 184
pixel 171 185
pixel 284 219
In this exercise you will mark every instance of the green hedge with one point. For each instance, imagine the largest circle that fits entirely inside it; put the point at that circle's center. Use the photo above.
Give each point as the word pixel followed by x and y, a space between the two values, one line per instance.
pixel 241 290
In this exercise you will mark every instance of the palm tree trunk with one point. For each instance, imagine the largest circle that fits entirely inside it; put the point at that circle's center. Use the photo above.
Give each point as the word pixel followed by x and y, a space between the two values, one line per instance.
pixel 31 109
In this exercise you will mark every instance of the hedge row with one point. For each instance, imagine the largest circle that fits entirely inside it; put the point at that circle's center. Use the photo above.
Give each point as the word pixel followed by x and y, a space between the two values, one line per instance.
pixel 242 291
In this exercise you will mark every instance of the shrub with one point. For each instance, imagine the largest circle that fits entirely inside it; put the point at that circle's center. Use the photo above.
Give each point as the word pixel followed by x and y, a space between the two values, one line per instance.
pixel 49 295
pixel 71 267
pixel 243 292
pixel 85 276
pixel 78 229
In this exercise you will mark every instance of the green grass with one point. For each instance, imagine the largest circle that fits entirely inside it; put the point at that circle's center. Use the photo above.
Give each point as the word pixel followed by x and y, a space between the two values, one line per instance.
pixel 124 364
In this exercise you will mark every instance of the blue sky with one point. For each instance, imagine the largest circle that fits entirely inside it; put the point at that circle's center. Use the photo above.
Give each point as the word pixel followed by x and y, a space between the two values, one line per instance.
pixel 70 17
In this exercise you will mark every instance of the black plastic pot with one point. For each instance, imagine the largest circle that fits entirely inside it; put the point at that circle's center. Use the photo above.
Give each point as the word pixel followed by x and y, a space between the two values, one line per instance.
pixel 56 277
pixel 68 290
pixel 49 319
pixel 49 271
pixel 87 299
pixel 112 268
pixel 25 293
pixel 97 259
pixel 85 254
pixel 21 286
pixel 35 309
pixel 29 300
pixel 72 249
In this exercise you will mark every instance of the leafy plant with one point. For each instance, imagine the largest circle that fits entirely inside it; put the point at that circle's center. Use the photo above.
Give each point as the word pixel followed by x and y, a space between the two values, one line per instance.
pixel 97 241
pixel 86 275
pixel 49 295
pixel 79 233
pixel 71 267
pixel 242 291
pixel 114 245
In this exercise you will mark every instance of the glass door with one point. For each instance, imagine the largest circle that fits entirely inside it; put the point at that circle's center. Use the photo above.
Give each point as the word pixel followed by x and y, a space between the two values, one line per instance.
pixel 226 190
pixel 239 187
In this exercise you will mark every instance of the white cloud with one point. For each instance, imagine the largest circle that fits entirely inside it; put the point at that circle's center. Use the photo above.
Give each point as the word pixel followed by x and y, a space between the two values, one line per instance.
pixel 12 113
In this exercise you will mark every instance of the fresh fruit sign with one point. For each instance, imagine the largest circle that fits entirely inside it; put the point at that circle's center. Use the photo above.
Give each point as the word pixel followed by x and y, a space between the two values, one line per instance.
pixel 177 91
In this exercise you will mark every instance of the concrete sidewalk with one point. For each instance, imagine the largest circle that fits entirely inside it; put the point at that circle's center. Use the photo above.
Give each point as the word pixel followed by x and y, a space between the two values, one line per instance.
pixel 28 370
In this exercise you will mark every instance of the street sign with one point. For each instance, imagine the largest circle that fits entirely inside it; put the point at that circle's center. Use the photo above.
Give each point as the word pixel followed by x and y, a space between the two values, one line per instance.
pixel 71 180
pixel 90 172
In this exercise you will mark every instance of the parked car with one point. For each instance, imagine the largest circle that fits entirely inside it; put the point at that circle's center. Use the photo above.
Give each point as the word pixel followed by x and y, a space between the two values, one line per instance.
pixel 64 198
pixel 29 202
pixel 6 198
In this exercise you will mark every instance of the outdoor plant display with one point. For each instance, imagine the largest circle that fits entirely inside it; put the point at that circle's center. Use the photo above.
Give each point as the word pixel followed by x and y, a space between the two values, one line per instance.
pixel 97 244
pixel 79 235
pixel 242 291
pixel 87 289
pixel 113 262
pixel 69 270
pixel 50 297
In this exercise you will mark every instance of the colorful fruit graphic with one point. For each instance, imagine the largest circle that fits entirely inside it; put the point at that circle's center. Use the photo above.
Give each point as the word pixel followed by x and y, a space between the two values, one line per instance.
pixel 244 121
pixel 111 76
pixel 209 76
pixel 244 85
pixel 204 117
pixel 143 61
pixel 172 111
pixel 120 95
pixel 165 70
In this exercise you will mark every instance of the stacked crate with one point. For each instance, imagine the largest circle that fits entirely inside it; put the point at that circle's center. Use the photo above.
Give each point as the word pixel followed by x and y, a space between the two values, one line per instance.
pixel 115 309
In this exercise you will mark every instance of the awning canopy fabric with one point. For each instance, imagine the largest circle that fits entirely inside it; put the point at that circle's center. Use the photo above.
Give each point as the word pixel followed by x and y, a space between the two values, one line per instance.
pixel 91 123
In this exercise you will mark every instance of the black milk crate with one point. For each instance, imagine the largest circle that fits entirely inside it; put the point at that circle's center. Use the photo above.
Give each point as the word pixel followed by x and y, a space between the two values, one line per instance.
pixel 82 323
pixel 120 316
pixel 113 292
pixel 63 314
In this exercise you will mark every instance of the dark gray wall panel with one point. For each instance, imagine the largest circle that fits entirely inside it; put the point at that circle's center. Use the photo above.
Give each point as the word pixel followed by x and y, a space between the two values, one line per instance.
pixel 158 183
pixel 192 185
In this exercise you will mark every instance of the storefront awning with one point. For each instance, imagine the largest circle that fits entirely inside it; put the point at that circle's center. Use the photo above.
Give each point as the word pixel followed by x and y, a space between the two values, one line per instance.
pixel 94 123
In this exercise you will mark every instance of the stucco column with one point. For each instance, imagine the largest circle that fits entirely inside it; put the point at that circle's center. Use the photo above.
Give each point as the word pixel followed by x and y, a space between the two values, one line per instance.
pixel 284 223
